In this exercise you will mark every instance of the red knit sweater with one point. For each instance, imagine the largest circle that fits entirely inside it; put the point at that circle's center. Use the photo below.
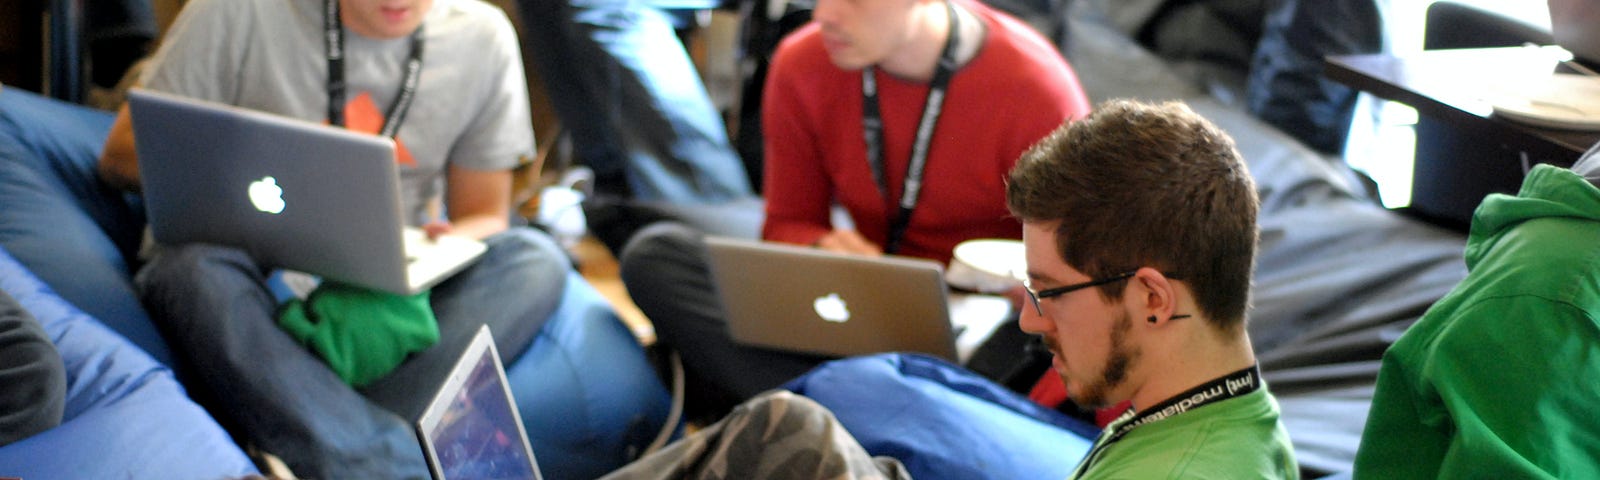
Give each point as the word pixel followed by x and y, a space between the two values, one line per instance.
pixel 1014 92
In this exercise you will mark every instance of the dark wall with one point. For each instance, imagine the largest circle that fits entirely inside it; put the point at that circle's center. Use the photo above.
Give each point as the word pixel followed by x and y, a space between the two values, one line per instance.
pixel 22 44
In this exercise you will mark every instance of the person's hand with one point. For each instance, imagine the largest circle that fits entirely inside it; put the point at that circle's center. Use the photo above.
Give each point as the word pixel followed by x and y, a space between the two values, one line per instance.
pixel 436 228
pixel 848 241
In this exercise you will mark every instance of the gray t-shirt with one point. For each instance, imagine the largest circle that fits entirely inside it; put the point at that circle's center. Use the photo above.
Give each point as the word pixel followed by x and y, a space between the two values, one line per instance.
pixel 471 105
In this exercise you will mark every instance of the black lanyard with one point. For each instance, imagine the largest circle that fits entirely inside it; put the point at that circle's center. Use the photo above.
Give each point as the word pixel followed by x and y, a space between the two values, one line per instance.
pixel 333 38
pixel 872 129
pixel 1233 385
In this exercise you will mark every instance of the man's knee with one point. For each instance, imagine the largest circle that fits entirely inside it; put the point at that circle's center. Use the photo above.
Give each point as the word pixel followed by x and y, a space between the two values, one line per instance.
pixel 526 257
pixel 35 378
pixel 784 411
pixel 658 243
pixel 180 264
pixel 518 242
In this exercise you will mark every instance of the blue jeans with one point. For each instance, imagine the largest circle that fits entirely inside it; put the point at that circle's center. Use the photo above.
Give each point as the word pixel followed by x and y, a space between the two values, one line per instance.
pixel 217 313
pixel 666 269
pixel 633 102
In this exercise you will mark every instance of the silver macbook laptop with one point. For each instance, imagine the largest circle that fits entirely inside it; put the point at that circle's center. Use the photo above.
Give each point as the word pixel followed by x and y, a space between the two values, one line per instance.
pixel 808 300
pixel 471 429
pixel 294 194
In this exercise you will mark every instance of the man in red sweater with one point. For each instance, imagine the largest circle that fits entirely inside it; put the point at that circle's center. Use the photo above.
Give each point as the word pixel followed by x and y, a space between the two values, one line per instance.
pixel 908 113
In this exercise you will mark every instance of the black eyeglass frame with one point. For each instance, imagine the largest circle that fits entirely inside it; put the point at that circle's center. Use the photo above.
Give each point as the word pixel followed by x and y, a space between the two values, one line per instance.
pixel 1036 295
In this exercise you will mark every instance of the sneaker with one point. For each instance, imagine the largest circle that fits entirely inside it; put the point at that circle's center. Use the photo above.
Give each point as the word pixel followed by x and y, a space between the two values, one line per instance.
pixel 561 214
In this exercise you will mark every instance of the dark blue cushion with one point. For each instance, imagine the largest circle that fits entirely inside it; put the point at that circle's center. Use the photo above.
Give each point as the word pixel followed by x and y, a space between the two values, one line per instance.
pixel 59 220
pixel 943 421
pixel 588 396
pixel 126 417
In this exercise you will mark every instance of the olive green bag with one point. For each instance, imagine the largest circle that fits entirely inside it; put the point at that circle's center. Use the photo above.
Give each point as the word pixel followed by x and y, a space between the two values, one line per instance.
pixel 362 334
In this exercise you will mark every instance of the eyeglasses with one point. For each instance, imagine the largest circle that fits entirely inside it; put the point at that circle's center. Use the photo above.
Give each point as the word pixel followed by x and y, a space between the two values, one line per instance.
pixel 1036 295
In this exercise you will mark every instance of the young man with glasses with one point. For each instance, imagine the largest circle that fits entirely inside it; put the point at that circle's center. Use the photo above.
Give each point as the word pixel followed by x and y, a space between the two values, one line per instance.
pixel 1139 226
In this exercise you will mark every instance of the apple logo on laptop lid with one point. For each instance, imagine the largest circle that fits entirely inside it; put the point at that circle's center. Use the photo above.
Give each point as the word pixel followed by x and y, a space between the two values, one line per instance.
pixel 831 308
pixel 266 195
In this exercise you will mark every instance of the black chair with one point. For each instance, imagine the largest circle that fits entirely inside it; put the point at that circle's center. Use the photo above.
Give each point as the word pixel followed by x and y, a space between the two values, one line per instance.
pixel 1456 25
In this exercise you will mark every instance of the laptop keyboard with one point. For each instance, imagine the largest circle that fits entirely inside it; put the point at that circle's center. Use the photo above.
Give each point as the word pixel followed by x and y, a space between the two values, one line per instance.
pixel 428 259
pixel 419 247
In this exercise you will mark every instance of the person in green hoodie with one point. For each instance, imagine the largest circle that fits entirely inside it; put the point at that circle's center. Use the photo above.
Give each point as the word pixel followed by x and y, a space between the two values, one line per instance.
pixel 1498 379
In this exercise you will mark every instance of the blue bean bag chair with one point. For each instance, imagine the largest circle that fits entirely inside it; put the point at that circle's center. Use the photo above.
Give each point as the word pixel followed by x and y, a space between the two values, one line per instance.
pixel 588 396
pixel 943 421
pixel 126 416
pixel 61 222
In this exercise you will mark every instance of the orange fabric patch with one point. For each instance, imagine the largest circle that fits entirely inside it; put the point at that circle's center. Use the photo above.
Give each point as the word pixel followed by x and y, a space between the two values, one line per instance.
pixel 361 115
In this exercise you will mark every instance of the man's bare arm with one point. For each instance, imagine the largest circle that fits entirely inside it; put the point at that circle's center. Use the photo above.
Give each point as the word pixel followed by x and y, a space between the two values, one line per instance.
pixel 119 161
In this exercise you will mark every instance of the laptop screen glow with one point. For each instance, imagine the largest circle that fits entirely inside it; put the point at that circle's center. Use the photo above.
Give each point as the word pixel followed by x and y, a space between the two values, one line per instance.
pixel 473 430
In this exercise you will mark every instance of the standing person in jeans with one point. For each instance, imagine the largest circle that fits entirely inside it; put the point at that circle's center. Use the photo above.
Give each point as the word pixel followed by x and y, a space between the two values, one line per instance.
pixel 956 91
pixel 637 111
pixel 454 69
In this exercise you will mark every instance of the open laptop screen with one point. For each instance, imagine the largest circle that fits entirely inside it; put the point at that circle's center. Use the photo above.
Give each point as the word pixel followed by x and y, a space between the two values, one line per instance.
pixel 472 429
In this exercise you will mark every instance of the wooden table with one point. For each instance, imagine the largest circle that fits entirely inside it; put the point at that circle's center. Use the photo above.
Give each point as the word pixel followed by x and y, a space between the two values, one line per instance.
pixel 1464 151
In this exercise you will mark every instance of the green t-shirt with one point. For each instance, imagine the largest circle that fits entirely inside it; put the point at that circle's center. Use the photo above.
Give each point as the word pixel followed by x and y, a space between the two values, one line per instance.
pixel 1235 438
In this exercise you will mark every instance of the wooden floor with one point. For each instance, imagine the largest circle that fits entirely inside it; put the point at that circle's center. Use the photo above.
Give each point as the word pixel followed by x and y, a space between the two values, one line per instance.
pixel 600 268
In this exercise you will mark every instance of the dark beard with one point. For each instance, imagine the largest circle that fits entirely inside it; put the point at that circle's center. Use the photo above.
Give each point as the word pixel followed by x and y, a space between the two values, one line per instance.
pixel 1119 360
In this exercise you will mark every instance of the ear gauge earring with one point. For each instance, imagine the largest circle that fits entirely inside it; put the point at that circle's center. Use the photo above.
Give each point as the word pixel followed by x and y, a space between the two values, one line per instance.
pixel 1152 319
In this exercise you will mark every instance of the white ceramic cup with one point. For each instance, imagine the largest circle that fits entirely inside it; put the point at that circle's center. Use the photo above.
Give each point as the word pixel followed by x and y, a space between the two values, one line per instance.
pixel 989 265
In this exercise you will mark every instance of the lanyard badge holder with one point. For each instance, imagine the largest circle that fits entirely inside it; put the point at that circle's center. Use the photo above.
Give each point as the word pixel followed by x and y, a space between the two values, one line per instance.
pixel 333 37
pixel 1233 385
pixel 872 130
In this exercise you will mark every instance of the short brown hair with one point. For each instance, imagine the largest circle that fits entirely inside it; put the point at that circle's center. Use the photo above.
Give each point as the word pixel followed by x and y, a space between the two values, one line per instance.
pixel 1136 184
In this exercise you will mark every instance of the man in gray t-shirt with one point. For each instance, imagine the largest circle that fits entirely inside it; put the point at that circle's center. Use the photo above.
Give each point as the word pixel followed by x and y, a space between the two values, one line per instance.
pixel 461 124
pixel 471 117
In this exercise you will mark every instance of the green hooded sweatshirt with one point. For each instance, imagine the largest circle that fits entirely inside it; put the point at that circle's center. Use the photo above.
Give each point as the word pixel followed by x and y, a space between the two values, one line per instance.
pixel 1501 377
